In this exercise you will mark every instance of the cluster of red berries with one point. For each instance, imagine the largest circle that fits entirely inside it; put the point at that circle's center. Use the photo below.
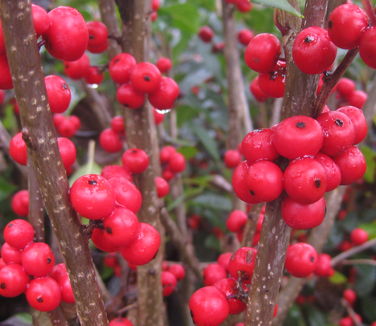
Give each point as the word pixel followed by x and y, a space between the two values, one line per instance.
pixel 241 5
pixel 114 203
pixel 155 4
pixel 29 267
pixel 172 162
pixel 322 155
pixel 358 236
pixel 348 94
pixel 171 274
pixel 66 126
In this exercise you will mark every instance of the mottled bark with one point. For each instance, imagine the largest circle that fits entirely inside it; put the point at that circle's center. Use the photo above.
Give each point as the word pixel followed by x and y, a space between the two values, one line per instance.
pixel 299 98
pixel 141 133
pixel 39 135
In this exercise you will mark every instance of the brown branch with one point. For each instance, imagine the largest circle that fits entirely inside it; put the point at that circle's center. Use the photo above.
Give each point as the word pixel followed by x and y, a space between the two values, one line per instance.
pixel 38 130
pixel 221 183
pixel 353 251
pixel 299 98
pixel 250 227
pixel 359 262
pixel 351 312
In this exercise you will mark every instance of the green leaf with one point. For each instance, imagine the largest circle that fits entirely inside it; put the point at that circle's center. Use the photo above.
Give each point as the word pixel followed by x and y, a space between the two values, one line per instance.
pixel 207 140
pixel 370 157
pixel 370 228
pixel 338 278
pixel 188 151
pixel 25 317
pixel 368 305
pixel 184 16
pixel 6 188
pixel 280 4
pixel 365 276
pixel 213 201
pixel 315 317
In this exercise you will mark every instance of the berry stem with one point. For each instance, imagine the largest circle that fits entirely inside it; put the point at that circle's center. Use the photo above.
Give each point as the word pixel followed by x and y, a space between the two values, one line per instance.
pixel 370 11
pixel 359 262
pixel 331 80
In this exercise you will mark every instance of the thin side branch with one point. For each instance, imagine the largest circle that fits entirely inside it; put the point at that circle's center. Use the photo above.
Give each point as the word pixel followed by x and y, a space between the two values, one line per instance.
pixel 353 251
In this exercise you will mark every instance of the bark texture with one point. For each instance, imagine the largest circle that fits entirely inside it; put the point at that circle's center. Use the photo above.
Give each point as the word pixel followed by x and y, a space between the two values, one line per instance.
pixel 39 135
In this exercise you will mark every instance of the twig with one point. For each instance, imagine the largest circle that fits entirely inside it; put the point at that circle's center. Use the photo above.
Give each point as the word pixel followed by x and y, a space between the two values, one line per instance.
pixel 353 251
pixel 127 308
pixel 359 262
pixel 351 312
pixel 39 132
pixel 250 227
pixel 221 183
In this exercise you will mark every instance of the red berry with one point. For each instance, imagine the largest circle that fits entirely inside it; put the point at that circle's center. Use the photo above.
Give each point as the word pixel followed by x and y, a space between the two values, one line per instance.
pixel 122 227
pixel 162 187
pixel 120 322
pixel 177 162
pixel 5 76
pixel 110 141
pixel 164 64
pixel 67 151
pixel 257 145
pixel 224 259
pixel 77 69
pixel 169 282
pixel 166 153
pixel 240 187
pixel 358 236
pixel 38 259
pixel 58 93
pixel 59 272
pixel 13 280
pixel 301 259
pixel 232 158
pixel 98 37
pixel 145 77
pixel 126 194
pixel 135 160
pixel 206 34
pixel 346 321
pixel 305 180
pixel 297 136
pixel 333 173
pixel 66 290
pixel 358 120
pixel 208 306
pixel 41 20
pixel 338 130
pixel 262 52
pixel 121 66
pixel 128 96
pixel 303 216
pixel 94 75
pixel 236 221
pixel 68 36
pixel 164 97
pixel 245 36
pixel 347 24
pixel 228 287
pixel 18 233
pixel 272 84
pixel 100 240
pixel 92 196
pixel 357 99
pixel 158 117
pixel 10 254
pixel 256 91
pixel 178 270
pixel 213 273
pixel 323 266
pixel 145 247
pixel 352 165
pixel 244 5
pixel 345 87
pixel 350 296
pixel 43 294
pixel 242 263
pixel 118 171
pixel 155 5
pixel 2 41
pixel 117 124
pixel 367 48
pixel 313 52
pixel 18 149
pixel 20 203
pixel 264 181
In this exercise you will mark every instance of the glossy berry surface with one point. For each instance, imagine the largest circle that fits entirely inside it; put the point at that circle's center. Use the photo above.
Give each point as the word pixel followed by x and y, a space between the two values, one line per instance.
pixel 110 141
pixel 127 95
pixel 13 280
pixel 323 266
pixel 92 196
pixel 242 263
pixel 41 20
pixel 126 194
pixel 213 273
pixel 350 296
pixel 120 322
pixel 206 34
pixel 333 173
pixel 240 187
pixel 352 165
pixel 121 66
pixel 164 97
pixel 232 158
pixel 20 203
pixel 301 259
pixel 10 254
pixel 178 270
pixel 169 283
pixel 228 287
pixel 367 47
pixel 236 220
pixel 5 76
pixel 98 37
pixel 135 160
pixel 164 64
pixel 358 236
pixel 297 136
pixel 257 145
pixel 358 120
pixel 77 69
pixel 18 149
pixel 18 233
pixel 145 77
pixel 208 306
pixel 162 187
pixel 245 36
pixel 58 93
pixel 358 98
pixel 43 294
pixel 38 259
pixel 256 90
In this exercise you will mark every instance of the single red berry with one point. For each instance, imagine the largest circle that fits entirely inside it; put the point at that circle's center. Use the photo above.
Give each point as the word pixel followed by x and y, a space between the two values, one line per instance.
pixel 333 173
pixel 257 92
pixel 67 151
pixel 177 162
pixel 68 36
pixel 10 254
pixel 236 221
pixel 240 187
pixel 208 306
pixel 117 124
pixel 120 322
pixel 324 266
pixel 303 216
pixel 158 116
pixel 164 65
pixel 77 69
pixel 94 75
pixel 98 37
pixel 273 83
pixel 206 34
pixel 346 25
pixel 169 283
pixel 118 171
pixel 245 36
pixel 345 87
pixel 144 248
pixel 121 66
pixel 244 5
pixel 128 96
pixel 194 222
pixel 100 240
pixel 13 280
pixel 213 273
pixel 297 136
pixel 18 149
pixel 358 236
pixel 126 194
pixel 262 52
pixel 38 259
pixel 352 165
pixel 338 130
pixel 358 120
pixel 18 233
pixel 58 93
pixel 305 180
pixel 232 158
pixel 135 160
pixel 162 187
pixel 242 263
pixel 228 287
pixel 122 227
pixel 5 76
pixel 164 97
pixel 358 99
pixel 224 259
pixel 92 196
pixel 350 296
pixel 178 270
pixel 301 259
pixel 145 77
pixel 43 294
pixel 20 203
pixel 257 145
pixel 110 141
pixel 2 41
pixel 41 20
pixel 59 272
pixel 313 51
pixel 166 153
pixel 66 290
pixel 367 48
